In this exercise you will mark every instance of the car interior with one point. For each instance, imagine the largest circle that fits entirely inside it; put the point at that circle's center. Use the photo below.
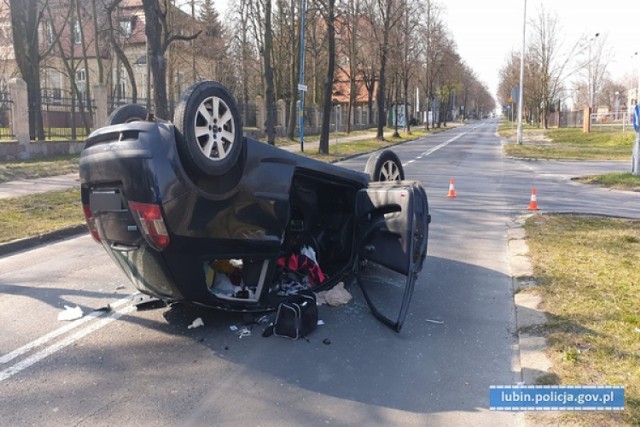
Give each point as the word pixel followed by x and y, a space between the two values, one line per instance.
pixel 321 218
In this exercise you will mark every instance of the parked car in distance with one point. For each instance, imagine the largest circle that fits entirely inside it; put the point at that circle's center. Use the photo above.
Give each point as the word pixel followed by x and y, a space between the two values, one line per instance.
pixel 194 211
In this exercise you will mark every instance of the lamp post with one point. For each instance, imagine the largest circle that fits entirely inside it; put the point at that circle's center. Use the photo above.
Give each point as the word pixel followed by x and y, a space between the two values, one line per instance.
pixel 521 93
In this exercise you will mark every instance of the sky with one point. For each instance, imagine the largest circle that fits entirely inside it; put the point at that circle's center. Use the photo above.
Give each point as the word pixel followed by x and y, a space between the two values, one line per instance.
pixel 487 31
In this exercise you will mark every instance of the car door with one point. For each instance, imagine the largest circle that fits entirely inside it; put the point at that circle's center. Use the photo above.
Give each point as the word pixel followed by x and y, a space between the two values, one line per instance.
pixel 391 243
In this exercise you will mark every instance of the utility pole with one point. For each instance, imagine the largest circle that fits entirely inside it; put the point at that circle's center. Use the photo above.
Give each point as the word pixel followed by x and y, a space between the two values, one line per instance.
pixel 301 87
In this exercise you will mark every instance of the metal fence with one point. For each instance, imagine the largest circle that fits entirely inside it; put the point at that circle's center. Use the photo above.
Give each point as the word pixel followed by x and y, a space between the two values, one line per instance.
pixel 612 122
pixel 6 130
pixel 65 118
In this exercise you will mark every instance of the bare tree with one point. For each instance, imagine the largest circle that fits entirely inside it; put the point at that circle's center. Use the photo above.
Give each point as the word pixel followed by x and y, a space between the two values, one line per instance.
pixel 435 42
pixel 546 45
pixel 268 75
pixel 329 13
pixel 66 53
pixel 386 14
pixel 26 17
pixel 117 40
pixel 160 35
pixel 348 47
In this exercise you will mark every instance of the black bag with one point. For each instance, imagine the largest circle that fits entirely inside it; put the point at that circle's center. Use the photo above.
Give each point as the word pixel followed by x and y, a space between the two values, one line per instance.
pixel 297 317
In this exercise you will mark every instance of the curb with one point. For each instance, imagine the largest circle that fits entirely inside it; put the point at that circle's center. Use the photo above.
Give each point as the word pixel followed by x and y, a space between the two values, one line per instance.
pixel 534 362
pixel 41 239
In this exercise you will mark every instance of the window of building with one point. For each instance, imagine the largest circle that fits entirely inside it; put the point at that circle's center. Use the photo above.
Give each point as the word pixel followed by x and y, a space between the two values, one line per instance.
pixel 76 32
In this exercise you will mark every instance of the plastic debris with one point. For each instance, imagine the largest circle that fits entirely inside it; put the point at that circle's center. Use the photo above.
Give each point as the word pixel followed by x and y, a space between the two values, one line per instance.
pixel 146 302
pixel 335 296
pixel 196 323
pixel 70 313
pixel 244 332
pixel 233 328
pixel 437 322
pixel 637 330
pixel 320 322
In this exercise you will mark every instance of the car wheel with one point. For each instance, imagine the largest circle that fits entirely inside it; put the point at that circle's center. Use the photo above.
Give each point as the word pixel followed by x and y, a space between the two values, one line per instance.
pixel 126 114
pixel 208 118
pixel 384 166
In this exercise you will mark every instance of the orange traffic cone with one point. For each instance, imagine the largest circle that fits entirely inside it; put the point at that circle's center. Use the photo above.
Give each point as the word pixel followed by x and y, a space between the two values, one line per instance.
pixel 533 204
pixel 452 189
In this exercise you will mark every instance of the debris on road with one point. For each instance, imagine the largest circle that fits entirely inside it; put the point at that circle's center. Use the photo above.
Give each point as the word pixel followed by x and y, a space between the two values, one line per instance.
pixel 70 313
pixel 335 296
pixel 196 323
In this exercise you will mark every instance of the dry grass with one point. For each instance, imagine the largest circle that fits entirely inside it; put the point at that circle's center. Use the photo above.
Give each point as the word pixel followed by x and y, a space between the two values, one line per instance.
pixel 589 277
pixel 569 144
pixel 40 213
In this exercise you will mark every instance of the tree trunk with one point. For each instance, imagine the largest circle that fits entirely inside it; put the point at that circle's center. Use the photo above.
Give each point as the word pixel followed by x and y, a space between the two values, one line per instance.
pixel 24 19
pixel 268 76
pixel 291 128
pixel 328 84
pixel 157 62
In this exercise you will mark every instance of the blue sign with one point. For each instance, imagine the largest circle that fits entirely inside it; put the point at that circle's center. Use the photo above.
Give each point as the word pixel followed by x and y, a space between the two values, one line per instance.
pixel 556 398
pixel 636 118
pixel 515 94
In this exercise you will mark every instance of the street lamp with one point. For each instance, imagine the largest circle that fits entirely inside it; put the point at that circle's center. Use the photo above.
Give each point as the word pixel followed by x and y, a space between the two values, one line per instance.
pixel 521 93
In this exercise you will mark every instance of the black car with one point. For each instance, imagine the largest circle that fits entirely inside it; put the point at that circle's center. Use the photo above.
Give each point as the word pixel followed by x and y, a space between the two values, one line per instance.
pixel 194 211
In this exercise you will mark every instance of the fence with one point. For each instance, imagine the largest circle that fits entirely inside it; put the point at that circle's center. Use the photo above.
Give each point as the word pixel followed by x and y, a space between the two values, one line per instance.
pixel 566 119
pixel 6 130
pixel 620 121
pixel 610 122
pixel 65 118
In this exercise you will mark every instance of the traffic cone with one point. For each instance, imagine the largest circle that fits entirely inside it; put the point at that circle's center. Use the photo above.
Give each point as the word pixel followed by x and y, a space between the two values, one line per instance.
pixel 452 189
pixel 533 204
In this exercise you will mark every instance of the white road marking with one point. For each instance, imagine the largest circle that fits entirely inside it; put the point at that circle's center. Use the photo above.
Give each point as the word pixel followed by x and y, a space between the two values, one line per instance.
pixel 63 330
pixel 48 351
pixel 436 148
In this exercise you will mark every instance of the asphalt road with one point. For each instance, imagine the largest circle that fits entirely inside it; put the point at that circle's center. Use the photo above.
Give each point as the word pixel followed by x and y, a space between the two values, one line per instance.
pixel 147 368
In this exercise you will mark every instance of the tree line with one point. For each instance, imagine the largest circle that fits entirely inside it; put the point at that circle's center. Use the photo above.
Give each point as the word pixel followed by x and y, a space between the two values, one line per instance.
pixel 388 51
pixel 560 73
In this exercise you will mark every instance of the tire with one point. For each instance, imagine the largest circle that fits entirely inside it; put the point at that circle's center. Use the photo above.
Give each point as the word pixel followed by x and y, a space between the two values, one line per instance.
pixel 384 166
pixel 208 119
pixel 126 114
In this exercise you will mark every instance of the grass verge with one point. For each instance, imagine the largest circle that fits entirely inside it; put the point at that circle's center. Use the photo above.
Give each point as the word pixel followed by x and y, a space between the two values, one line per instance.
pixel 618 181
pixel 39 213
pixel 588 275
pixel 351 148
pixel 40 168
pixel 568 144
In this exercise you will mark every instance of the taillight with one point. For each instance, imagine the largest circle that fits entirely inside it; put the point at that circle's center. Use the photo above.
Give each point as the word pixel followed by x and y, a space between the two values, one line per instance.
pixel 88 216
pixel 150 220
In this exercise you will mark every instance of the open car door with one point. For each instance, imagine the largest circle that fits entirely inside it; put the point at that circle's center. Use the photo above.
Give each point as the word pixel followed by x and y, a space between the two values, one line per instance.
pixel 392 234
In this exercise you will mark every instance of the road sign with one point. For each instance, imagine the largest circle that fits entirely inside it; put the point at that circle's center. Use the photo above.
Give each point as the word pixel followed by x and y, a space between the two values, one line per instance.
pixel 302 88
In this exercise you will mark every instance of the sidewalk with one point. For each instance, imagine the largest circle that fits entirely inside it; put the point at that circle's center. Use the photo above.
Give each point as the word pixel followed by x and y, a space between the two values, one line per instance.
pixel 25 187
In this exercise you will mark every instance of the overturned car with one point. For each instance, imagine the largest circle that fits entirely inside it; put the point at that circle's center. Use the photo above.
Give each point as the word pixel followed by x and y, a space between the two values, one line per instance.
pixel 194 211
